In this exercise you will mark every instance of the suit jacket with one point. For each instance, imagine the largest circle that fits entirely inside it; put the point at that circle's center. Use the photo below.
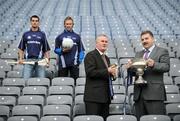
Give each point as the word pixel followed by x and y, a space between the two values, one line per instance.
pixel 97 78
pixel 154 90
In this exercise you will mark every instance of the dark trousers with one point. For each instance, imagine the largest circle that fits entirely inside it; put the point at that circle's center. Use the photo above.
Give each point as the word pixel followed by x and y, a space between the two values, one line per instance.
pixel 72 71
pixel 101 109
pixel 148 107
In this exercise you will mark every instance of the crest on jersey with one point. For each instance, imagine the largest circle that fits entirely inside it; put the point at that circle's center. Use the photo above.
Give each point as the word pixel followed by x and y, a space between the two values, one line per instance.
pixel 29 37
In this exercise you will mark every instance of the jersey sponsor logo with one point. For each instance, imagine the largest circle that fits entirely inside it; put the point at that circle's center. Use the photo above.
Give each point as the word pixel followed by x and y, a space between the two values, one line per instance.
pixel 33 42
pixel 38 37
pixel 74 38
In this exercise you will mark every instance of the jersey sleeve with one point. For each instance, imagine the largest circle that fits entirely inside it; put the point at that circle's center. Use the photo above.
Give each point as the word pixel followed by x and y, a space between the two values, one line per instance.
pixel 22 44
pixel 46 46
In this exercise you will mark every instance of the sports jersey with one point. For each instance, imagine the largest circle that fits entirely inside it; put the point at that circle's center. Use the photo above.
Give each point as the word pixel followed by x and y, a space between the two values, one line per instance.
pixel 34 44
pixel 69 58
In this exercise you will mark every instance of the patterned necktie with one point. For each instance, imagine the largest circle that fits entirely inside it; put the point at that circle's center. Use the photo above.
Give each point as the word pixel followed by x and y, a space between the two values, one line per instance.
pixel 146 54
pixel 110 81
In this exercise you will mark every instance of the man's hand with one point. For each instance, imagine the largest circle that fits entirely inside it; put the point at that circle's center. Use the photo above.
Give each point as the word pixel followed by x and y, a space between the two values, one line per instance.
pixel 150 62
pixel 112 70
pixel 21 61
pixel 58 51
pixel 81 56
pixel 129 64
pixel 65 50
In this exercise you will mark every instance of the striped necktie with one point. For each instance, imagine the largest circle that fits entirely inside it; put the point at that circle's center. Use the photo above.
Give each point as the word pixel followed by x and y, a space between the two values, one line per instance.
pixel 146 52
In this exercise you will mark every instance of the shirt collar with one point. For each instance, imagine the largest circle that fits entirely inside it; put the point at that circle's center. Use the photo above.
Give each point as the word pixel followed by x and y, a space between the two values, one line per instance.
pixel 67 30
pixel 151 48
pixel 35 31
pixel 101 53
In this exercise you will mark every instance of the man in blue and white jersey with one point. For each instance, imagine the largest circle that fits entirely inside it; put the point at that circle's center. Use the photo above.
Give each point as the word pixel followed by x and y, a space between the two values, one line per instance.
pixel 33 47
pixel 69 58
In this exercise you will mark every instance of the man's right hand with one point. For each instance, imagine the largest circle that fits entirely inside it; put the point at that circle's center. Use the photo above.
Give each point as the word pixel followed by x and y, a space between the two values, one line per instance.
pixel 65 50
pixel 21 61
pixel 112 70
pixel 128 64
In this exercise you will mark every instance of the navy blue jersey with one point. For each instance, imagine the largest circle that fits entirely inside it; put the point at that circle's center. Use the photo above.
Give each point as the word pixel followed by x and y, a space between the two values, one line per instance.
pixel 34 44
pixel 70 58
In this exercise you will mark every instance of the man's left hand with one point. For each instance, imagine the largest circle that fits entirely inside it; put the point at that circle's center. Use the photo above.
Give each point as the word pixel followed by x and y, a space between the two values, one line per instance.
pixel 150 62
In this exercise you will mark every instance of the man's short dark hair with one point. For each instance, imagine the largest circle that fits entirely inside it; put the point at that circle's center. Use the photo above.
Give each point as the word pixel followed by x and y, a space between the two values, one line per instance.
pixel 68 18
pixel 147 32
pixel 34 16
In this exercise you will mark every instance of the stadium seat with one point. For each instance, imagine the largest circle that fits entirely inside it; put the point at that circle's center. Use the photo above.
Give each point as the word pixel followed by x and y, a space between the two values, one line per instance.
pixel 8 101
pixel 55 118
pixel 18 67
pixel 56 110
pixel 14 74
pixel 62 81
pixel 2 119
pixel 26 110
pixel 119 99
pixel 119 109
pixel 172 89
pixel 22 118
pixel 173 109
pixel 9 55
pixel 61 90
pixel 34 90
pixel 172 98
pixel 167 80
pixel 79 99
pixel 155 118
pixel 88 118
pixel 2 76
pixel 118 89
pixel 10 91
pixel 79 109
pixel 31 100
pixel 19 82
pixel 177 81
pixel 121 118
pixel 80 81
pixel 59 100
pixel 79 90
pixel 5 68
pixel 4 111
pixel 174 70
pixel 176 118
pixel 38 82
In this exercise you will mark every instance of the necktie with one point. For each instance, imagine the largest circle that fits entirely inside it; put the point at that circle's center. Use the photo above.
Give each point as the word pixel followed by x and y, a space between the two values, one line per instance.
pixel 110 81
pixel 146 54
pixel 104 59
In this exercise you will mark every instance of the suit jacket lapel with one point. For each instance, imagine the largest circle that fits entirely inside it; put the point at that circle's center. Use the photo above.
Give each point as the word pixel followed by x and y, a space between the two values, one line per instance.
pixel 100 58
pixel 154 51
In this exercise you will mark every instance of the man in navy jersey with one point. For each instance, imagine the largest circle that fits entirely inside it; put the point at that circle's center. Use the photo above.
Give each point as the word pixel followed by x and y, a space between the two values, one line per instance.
pixel 33 47
pixel 69 58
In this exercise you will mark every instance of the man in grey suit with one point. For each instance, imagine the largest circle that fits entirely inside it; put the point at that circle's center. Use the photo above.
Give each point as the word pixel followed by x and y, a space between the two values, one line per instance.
pixel 149 98
pixel 98 88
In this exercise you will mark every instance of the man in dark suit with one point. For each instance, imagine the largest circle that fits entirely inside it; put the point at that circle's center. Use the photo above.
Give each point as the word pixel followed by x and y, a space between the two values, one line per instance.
pixel 98 87
pixel 149 98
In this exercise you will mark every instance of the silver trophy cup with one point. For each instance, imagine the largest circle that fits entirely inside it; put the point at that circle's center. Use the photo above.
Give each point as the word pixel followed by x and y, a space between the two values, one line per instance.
pixel 139 65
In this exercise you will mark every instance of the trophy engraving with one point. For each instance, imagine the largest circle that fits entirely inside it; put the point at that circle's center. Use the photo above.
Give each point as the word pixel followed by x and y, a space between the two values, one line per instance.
pixel 139 65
